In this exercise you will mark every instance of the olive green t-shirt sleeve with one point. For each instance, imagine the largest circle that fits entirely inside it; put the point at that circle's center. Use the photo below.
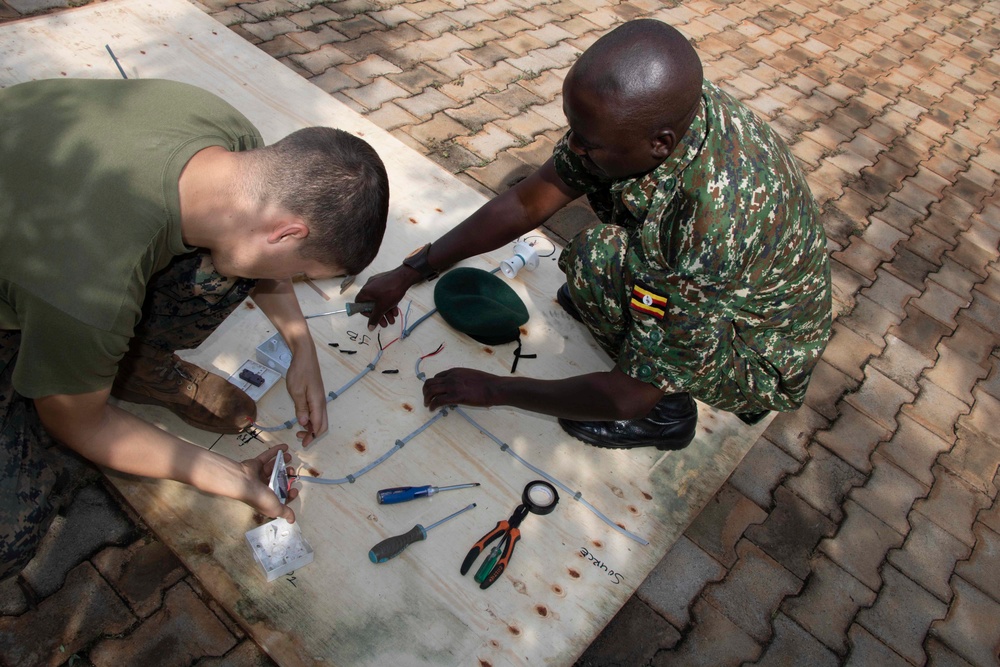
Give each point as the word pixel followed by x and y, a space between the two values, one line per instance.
pixel 62 355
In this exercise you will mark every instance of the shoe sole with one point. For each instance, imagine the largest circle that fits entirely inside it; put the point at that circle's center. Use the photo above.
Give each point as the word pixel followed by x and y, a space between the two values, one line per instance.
pixel 603 445
pixel 133 397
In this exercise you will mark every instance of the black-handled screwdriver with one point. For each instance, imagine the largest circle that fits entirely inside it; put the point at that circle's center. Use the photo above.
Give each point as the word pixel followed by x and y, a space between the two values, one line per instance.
pixel 393 546
pixel 350 308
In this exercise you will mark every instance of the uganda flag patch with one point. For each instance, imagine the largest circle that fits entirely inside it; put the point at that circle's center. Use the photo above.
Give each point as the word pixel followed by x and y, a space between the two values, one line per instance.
pixel 648 302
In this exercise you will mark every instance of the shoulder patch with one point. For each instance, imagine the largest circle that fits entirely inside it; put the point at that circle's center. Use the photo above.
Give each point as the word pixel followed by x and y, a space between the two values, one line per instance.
pixel 647 301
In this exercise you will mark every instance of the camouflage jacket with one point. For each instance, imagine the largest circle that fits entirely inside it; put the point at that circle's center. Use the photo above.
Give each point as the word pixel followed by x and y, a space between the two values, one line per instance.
pixel 727 277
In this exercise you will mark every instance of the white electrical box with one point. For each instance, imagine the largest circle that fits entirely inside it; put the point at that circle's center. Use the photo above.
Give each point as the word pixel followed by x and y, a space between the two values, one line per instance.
pixel 274 353
pixel 279 548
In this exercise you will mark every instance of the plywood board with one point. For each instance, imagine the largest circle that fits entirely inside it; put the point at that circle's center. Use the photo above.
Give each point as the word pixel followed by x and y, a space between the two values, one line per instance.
pixel 571 572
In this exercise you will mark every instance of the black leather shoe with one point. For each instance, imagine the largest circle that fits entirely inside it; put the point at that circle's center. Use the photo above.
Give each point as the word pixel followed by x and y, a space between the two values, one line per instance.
pixel 670 425
pixel 563 297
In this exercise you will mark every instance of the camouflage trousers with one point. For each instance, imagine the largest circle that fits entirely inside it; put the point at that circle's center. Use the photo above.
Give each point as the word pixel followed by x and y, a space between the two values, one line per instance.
pixel 184 304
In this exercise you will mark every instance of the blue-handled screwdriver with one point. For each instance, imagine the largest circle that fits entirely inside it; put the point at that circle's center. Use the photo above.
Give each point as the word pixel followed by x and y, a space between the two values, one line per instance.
pixel 402 494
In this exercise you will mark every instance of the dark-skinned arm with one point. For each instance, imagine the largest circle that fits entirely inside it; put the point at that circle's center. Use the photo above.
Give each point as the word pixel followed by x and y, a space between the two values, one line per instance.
pixel 111 437
pixel 601 396
pixel 503 219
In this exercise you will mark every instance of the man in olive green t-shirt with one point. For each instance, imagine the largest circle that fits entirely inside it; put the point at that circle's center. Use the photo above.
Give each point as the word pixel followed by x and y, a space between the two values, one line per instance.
pixel 134 216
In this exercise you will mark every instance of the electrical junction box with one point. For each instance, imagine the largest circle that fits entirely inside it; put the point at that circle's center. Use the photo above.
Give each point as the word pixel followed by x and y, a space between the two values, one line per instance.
pixel 279 548
pixel 274 354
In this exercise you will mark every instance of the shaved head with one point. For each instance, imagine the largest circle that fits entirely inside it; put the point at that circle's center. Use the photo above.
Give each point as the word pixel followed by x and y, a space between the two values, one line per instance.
pixel 645 70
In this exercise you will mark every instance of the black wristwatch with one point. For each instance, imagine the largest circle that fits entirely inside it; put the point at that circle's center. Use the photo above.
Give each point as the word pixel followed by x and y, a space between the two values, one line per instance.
pixel 417 260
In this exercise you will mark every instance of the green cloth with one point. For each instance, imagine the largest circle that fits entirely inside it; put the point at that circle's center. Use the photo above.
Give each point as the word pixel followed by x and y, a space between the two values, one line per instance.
pixel 89 210
pixel 710 274
pixel 480 304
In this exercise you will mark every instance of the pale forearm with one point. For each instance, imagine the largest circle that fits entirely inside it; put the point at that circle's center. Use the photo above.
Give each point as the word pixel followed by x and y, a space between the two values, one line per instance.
pixel 123 442
pixel 277 300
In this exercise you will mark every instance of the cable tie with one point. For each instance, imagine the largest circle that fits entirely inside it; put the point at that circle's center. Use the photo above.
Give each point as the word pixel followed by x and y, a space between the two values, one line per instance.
pixel 577 495
pixel 332 396
pixel 504 447
pixel 350 478
pixel 371 366
pixel 400 444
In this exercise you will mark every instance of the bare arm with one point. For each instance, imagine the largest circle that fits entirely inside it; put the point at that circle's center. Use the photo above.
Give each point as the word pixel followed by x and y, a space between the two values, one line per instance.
pixel 511 214
pixel 118 440
pixel 304 381
pixel 594 396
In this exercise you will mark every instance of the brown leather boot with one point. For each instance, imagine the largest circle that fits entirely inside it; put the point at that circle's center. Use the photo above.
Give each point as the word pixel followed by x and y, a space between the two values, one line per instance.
pixel 202 399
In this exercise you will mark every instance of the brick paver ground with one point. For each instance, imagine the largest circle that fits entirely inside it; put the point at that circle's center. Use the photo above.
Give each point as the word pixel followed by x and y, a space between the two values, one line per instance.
pixel 862 529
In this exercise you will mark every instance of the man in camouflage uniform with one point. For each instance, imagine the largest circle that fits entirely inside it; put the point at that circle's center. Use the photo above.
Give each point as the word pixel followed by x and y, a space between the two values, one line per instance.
pixel 134 217
pixel 708 277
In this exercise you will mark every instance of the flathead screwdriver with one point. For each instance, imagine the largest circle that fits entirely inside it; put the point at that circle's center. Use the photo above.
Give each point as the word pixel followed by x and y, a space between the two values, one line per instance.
pixel 350 308
pixel 402 494
pixel 393 546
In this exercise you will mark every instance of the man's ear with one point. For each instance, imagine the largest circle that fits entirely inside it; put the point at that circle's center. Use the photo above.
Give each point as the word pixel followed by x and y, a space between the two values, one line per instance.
pixel 662 144
pixel 291 227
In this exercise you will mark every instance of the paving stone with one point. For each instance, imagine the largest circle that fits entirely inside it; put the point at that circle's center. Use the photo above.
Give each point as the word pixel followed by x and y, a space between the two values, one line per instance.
pixel 790 532
pixel 94 520
pixel 941 304
pixel 910 267
pixel 720 524
pixel 975 458
pixel 792 431
pixel 184 624
pixel 970 629
pixel 981 569
pixel 861 544
pixel 902 615
pixel 846 281
pixel 927 245
pixel 828 603
pixel 140 573
pixel 713 641
pixel 936 410
pixel 879 398
pixel 626 640
pixel 489 141
pixel 65 622
pixel 753 590
pixel 956 374
pixel 921 331
pixel 939 655
pixel 901 363
pixel 678 579
pixel 952 504
pixel 389 117
pixel 867 649
pixel 889 291
pixel 870 320
pixel 983 415
pixel 849 352
pixel 955 278
pixel 826 388
pixel 437 130
pixel 889 493
pixel 854 436
pixel 502 173
pixel 824 481
pixel 984 310
pixel 928 556
pixel 761 470
pixel 792 645
pixel 246 654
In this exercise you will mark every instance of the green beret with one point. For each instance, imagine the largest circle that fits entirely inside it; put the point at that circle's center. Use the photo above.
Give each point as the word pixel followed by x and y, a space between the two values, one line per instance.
pixel 480 304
